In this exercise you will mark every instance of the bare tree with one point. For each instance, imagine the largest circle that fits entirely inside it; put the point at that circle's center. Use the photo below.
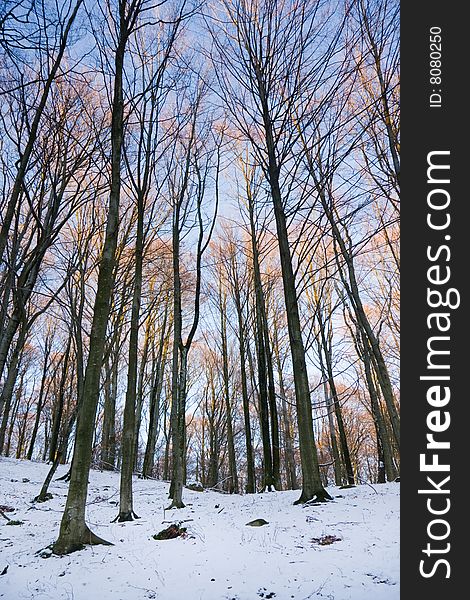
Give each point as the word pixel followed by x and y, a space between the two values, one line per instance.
pixel 187 187
pixel 146 109
pixel 272 63
pixel 55 46
pixel 73 530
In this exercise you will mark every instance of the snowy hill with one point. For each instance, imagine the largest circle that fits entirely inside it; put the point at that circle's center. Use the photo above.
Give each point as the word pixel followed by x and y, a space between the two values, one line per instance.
pixel 221 558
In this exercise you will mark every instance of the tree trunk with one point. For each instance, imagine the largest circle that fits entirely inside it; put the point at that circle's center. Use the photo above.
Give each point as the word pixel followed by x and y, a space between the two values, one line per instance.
pixel 213 471
pixel 311 480
pixel 250 465
pixel 268 479
pixel 59 409
pixel 326 345
pixel 108 432
pixel 14 413
pixel 233 485
pixel 289 457
pixel 22 430
pixel 176 487
pixel 274 419
pixel 386 465
pixel 155 396
pixel 178 438
pixel 140 393
pixel 126 510
pixel 337 465
pixel 73 530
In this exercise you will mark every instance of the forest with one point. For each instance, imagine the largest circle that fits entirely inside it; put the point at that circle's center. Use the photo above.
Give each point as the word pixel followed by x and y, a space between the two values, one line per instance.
pixel 199 247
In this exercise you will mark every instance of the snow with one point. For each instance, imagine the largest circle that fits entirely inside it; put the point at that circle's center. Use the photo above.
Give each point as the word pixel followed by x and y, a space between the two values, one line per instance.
pixel 221 559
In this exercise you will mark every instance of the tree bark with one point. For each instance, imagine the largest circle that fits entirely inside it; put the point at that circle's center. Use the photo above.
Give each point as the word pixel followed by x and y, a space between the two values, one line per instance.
pixel 59 409
pixel 233 484
pixel 74 532
pixel 335 404
pixel 126 509
pixel 157 386
pixel 312 486
pixel 273 413
pixel 140 394
pixel 386 467
pixel 289 457
pixel 268 478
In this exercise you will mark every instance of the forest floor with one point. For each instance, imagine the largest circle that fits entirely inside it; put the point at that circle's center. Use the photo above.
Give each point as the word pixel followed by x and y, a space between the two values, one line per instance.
pixel 346 549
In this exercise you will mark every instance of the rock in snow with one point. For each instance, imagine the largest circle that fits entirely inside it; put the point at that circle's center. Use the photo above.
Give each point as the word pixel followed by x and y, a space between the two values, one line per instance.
pixel 257 523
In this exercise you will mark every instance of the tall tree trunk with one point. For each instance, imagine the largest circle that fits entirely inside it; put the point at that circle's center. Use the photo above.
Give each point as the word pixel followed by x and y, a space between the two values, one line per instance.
pixel 311 481
pixel 178 437
pixel 384 446
pixel 273 413
pixel 157 386
pixel 22 431
pixel 166 457
pixel 14 413
pixel 108 433
pixel 59 409
pixel 250 465
pixel 289 457
pixel 126 510
pixel 213 472
pixel 176 487
pixel 337 464
pixel 73 529
pixel 140 393
pixel 268 479
pixel 326 345
pixel 233 485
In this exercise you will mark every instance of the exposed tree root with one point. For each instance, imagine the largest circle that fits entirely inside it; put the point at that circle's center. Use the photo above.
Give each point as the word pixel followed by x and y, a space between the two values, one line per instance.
pixel 65 477
pixel 320 496
pixel 88 538
pixel 125 516
pixel 43 497
pixel 93 540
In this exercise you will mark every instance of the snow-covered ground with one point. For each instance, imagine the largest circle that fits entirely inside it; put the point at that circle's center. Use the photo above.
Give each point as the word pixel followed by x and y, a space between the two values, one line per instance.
pixel 221 559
